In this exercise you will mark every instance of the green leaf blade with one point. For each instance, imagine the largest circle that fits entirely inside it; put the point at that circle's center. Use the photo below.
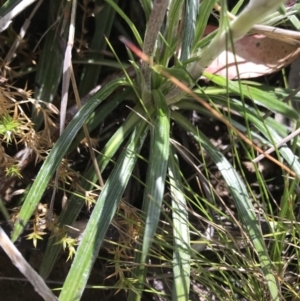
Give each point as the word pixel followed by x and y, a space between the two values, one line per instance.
pixel 155 187
pixel 54 158
pixel 239 193
pixel 101 218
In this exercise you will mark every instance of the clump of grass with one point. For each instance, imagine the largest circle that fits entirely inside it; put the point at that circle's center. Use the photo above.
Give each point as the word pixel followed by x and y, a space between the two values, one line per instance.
pixel 222 262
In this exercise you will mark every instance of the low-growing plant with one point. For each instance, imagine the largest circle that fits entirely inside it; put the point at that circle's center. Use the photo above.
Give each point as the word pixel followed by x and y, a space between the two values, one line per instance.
pixel 163 100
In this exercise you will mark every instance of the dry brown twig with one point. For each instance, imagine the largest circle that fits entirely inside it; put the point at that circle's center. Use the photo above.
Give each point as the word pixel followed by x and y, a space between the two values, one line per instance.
pixel 23 266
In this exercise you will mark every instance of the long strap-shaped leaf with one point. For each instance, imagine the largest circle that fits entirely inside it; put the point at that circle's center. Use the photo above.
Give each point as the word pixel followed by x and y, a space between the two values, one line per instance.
pixel 258 96
pixel 242 201
pixel 155 186
pixel 270 128
pixel 49 67
pixel 103 24
pixel 10 9
pixel 181 233
pixel 75 204
pixel 101 217
pixel 57 153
